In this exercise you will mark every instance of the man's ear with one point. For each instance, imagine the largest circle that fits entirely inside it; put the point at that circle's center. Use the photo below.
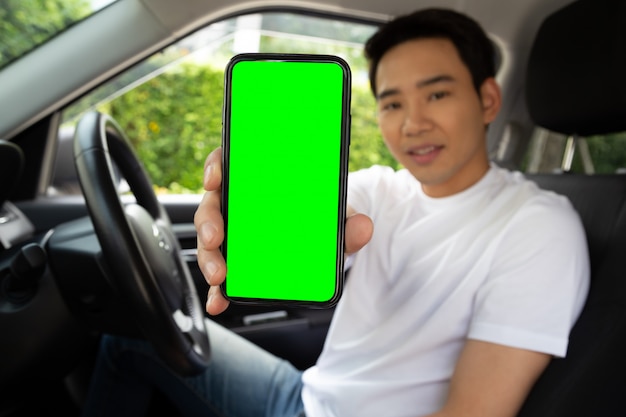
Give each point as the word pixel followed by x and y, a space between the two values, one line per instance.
pixel 491 99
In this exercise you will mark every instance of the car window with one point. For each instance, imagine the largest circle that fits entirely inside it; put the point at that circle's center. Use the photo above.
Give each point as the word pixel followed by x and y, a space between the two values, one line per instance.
pixel 170 105
pixel 551 152
pixel 26 24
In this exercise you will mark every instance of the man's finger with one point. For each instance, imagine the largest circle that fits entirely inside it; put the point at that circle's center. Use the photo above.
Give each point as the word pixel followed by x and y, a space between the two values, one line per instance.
pixel 213 170
pixel 209 222
pixel 359 230
pixel 216 303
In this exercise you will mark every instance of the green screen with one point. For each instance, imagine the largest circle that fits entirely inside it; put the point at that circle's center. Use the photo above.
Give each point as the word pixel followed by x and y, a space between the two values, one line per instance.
pixel 284 180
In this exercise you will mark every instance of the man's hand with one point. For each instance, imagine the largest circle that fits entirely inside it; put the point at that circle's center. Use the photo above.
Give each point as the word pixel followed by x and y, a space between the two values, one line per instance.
pixel 210 228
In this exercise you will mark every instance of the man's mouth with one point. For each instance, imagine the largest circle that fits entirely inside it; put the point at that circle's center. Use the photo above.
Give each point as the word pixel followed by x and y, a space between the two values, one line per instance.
pixel 424 154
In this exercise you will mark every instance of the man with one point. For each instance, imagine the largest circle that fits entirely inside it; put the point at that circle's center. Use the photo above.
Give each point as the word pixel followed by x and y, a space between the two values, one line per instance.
pixel 466 278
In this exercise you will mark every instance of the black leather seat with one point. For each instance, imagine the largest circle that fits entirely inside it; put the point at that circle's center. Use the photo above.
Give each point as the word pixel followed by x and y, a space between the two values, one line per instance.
pixel 576 85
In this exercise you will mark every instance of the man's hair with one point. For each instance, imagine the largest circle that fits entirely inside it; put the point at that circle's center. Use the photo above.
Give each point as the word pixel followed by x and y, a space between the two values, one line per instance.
pixel 472 43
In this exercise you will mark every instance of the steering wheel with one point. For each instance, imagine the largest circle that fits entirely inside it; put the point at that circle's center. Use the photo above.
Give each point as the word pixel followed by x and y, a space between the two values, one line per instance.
pixel 139 247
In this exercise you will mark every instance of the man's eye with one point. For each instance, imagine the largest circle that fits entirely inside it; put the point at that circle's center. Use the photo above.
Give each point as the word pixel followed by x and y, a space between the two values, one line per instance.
pixel 438 95
pixel 391 106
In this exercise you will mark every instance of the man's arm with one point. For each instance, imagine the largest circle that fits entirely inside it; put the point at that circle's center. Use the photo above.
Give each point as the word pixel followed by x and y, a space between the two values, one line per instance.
pixel 492 380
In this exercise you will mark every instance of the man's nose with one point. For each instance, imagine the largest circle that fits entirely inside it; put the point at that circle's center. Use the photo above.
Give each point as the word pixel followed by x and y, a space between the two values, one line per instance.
pixel 417 120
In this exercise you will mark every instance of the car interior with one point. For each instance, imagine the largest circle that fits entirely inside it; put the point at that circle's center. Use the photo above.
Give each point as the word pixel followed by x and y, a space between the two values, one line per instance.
pixel 575 86
pixel 78 209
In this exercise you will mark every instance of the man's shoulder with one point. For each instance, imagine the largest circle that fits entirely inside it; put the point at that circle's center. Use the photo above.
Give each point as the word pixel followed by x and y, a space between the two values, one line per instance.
pixel 382 179
pixel 522 197
pixel 375 171
pixel 521 184
pixel 531 204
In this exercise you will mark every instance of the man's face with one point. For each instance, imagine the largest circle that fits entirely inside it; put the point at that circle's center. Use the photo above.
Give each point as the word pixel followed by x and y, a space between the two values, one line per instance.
pixel 431 117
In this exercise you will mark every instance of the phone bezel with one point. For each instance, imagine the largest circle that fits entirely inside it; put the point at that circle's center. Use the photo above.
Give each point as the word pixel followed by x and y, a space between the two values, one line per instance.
pixel 344 152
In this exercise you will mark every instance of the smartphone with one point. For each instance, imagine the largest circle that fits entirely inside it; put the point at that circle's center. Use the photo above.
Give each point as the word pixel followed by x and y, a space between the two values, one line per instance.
pixel 286 132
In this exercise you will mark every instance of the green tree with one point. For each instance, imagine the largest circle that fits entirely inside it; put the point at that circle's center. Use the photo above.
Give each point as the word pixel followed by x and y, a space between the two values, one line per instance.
pixel 24 24
pixel 173 121
pixel 366 146
pixel 608 153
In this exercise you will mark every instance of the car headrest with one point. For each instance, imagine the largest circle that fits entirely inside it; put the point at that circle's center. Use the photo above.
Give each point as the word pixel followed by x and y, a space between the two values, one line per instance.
pixel 576 75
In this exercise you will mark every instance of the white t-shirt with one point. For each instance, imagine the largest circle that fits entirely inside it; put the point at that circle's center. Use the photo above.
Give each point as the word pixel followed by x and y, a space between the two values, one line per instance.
pixel 502 261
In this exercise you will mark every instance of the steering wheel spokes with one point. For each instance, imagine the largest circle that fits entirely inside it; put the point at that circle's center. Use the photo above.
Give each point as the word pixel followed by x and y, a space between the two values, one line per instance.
pixel 139 246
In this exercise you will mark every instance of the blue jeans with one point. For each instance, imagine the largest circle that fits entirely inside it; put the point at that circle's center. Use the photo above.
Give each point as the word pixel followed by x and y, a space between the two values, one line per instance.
pixel 242 380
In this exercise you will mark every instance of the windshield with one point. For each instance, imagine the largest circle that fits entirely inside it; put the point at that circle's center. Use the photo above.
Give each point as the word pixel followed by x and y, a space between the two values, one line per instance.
pixel 170 105
pixel 26 24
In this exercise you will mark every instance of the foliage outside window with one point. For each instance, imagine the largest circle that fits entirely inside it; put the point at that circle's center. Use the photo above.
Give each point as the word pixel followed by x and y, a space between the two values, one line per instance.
pixel 170 106
pixel 600 154
pixel 25 24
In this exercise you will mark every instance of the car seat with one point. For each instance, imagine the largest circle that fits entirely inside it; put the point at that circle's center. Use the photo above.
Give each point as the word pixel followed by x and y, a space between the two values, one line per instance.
pixel 576 85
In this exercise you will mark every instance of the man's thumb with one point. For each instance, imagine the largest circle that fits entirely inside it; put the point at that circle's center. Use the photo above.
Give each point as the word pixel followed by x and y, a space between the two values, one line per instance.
pixel 359 229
